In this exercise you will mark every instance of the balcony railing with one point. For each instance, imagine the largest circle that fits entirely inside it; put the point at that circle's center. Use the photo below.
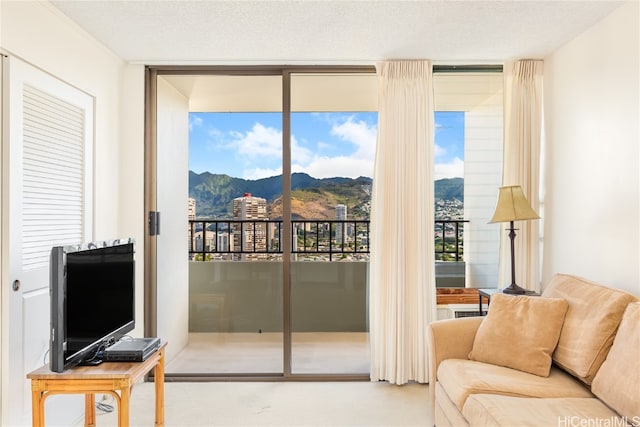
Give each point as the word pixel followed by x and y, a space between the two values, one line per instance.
pixel 211 239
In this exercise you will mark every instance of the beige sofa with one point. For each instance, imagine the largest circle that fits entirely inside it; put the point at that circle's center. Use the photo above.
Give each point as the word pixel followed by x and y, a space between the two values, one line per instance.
pixel 568 358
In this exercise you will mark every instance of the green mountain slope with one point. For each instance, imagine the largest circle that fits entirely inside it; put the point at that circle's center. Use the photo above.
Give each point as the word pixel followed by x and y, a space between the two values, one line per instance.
pixel 312 198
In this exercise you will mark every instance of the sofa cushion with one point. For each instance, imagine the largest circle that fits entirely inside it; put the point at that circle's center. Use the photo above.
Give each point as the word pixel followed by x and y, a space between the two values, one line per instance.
pixel 591 322
pixel 617 382
pixel 447 414
pixel 520 332
pixel 459 378
pixel 493 410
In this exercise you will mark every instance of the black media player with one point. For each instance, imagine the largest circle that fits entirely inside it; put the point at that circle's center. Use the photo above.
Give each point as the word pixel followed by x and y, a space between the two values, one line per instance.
pixel 131 350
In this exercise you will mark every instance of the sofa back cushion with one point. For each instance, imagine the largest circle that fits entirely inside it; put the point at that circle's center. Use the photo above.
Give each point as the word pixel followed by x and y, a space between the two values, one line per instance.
pixel 590 324
pixel 617 382
pixel 520 332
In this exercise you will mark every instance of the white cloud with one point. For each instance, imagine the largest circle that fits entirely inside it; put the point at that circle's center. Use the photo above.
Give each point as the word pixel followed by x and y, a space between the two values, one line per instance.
pixel 299 154
pixel 362 140
pixel 324 146
pixel 339 166
pixel 452 169
pixel 196 121
pixel 259 173
pixel 342 166
pixel 360 134
pixel 260 141
pixel 263 142
pixel 214 132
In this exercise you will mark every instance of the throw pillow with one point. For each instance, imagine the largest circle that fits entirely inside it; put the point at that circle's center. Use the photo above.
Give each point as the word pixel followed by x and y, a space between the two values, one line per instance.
pixel 520 332
pixel 590 324
pixel 616 382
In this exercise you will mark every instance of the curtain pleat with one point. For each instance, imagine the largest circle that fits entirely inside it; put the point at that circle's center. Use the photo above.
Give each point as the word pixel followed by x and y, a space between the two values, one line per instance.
pixel 523 135
pixel 401 276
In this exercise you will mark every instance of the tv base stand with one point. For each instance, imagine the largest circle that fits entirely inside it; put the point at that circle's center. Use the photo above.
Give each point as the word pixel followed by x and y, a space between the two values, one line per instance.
pixel 114 378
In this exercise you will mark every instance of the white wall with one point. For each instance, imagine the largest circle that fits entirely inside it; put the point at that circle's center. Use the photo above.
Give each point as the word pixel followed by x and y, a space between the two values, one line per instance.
pixel 482 178
pixel 42 36
pixel 39 34
pixel 592 161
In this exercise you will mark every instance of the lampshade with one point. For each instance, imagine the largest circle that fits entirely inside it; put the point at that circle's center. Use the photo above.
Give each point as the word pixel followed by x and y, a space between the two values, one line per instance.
pixel 512 206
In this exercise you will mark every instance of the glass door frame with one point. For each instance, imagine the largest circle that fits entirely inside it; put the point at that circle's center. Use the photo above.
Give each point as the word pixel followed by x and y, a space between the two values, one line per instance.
pixel 150 205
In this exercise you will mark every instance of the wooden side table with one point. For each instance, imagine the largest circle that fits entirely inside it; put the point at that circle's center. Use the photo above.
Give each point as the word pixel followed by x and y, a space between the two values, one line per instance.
pixel 115 378
pixel 487 293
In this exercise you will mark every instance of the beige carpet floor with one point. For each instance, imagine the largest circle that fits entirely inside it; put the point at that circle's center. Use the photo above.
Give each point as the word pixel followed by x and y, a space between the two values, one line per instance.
pixel 312 353
pixel 281 404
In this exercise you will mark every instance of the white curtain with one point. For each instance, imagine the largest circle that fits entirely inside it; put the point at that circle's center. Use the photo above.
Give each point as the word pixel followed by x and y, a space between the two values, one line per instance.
pixel 523 133
pixel 401 275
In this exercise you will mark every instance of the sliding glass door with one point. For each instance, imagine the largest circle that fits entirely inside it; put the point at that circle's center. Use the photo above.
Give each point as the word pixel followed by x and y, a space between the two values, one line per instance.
pixel 256 301
pixel 333 128
pixel 267 173
pixel 235 280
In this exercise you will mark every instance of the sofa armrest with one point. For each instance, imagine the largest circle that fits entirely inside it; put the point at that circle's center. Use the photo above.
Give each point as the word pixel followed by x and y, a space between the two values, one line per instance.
pixel 450 339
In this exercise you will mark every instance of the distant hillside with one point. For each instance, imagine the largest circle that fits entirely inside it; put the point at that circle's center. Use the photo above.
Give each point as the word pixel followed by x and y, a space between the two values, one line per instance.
pixel 449 189
pixel 312 198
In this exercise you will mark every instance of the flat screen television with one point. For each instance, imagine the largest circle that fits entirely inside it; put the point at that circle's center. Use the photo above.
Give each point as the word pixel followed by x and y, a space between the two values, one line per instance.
pixel 92 289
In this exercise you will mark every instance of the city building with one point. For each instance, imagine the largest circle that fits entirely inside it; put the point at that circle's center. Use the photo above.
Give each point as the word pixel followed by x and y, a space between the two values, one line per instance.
pixel 191 215
pixel 250 236
pixel 341 215
pixel 191 209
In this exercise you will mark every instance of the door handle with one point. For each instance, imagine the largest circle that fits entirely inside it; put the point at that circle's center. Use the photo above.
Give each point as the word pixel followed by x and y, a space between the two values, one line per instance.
pixel 16 285
pixel 154 223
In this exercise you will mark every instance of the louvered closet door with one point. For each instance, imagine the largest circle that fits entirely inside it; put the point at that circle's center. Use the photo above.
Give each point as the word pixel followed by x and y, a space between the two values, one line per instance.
pixel 47 165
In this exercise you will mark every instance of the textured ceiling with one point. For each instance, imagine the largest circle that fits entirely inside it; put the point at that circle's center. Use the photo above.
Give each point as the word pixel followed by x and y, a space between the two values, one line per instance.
pixel 332 31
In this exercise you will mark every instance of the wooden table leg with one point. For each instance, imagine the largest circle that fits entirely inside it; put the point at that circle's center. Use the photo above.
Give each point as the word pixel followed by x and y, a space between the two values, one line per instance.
pixel 89 410
pixel 123 413
pixel 37 404
pixel 158 379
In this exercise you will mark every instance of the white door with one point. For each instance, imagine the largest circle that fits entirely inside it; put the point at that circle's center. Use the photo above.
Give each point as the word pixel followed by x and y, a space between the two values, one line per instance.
pixel 172 183
pixel 47 163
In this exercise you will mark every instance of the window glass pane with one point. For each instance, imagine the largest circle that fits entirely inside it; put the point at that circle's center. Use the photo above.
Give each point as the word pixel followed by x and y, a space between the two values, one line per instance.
pixel 333 140
pixel 469 138
pixel 235 268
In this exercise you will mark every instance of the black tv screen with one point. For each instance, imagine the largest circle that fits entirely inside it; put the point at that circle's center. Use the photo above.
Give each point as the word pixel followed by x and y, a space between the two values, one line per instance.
pixel 92 300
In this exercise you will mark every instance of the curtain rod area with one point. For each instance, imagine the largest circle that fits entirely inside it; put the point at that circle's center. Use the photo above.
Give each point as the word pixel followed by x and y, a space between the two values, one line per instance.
pixel 493 68
pixel 276 70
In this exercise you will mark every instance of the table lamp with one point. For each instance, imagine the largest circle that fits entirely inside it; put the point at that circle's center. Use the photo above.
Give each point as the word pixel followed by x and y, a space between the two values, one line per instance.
pixel 513 206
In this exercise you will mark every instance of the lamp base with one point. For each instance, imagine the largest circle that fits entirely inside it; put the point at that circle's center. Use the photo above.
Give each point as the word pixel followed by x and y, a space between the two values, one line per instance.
pixel 514 289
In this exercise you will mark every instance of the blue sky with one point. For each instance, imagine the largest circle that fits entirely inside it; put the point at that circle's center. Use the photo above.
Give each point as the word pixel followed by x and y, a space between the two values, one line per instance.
pixel 248 145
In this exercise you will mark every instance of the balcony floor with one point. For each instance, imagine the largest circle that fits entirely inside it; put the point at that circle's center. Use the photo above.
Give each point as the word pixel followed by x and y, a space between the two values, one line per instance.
pixel 261 353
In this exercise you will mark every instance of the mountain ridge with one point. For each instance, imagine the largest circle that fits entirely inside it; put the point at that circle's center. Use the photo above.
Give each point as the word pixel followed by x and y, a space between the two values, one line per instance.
pixel 312 198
